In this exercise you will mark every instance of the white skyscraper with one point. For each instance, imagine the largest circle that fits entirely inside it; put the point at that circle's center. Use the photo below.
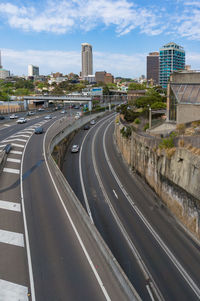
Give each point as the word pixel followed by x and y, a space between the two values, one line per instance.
pixel 33 70
pixel 87 61
pixel 3 73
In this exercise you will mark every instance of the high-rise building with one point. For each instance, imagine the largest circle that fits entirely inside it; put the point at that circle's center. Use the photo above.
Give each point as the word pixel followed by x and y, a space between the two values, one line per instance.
pixel 153 67
pixel 87 61
pixel 3 73
pixel 172 58
pixel 33 70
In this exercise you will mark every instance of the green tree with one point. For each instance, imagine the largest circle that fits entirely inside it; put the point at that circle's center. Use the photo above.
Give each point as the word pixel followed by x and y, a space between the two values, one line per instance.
pixel 136 86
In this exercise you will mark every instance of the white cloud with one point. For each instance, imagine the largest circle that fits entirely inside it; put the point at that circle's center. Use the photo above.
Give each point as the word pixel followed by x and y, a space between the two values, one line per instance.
pixel 85 14
pixel 66 62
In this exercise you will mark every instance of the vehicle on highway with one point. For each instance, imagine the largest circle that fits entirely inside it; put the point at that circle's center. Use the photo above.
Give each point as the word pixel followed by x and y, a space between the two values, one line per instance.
pixel 48 117
pixel 75 148
pixel 30 113
pixel 39 130
pixel 77 107
pixel 63 112
pixel 92 122
pixel 21 120
pixel 7 148
pixel 86 127
pixel 2 117
pixel 41 109
pixel 13 116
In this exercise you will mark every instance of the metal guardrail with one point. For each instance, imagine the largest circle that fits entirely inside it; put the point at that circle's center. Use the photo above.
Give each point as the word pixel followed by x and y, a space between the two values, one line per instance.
pixel 57 130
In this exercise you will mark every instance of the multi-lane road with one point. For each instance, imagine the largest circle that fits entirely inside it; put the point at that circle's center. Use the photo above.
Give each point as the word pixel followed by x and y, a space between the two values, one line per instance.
pixel 161 260
pixel 46 250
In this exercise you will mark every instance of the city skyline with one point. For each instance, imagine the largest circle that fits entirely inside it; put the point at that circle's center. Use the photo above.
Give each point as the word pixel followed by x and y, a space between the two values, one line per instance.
pixel 122 34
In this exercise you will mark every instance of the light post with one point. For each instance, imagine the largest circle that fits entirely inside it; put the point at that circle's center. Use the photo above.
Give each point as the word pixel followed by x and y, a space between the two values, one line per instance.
pixel 149 116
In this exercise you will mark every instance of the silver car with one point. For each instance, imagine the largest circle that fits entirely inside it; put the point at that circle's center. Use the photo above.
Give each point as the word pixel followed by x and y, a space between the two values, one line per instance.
pixel 75 148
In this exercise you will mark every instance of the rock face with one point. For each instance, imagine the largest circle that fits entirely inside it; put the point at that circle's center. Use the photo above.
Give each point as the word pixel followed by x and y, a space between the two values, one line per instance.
pixel 174 175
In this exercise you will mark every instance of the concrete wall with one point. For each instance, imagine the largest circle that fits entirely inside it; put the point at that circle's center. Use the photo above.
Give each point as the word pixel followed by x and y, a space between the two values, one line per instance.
pixel 187 113
pixel 174 175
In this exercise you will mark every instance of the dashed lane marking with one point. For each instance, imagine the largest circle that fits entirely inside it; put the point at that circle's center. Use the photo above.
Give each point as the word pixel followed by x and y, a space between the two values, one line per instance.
pixel 11 170
pixel 115 194
pixel 13 160
pixel 12 238
pixel 15 152
pixel 10 206
pixel 12 292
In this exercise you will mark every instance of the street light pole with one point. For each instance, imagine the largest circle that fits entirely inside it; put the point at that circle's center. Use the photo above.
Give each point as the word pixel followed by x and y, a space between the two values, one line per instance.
pixel 149 117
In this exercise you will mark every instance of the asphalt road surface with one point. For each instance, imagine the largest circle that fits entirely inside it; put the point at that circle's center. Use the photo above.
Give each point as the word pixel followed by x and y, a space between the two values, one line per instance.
pixel 160 259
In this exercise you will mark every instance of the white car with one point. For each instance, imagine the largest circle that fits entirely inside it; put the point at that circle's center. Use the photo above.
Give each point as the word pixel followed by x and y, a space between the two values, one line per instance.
pixel 63 112
pixel 92 122
pixel 41 109
pixel 75 148
pixel 13 116
pixel 48 117
pixel 22 120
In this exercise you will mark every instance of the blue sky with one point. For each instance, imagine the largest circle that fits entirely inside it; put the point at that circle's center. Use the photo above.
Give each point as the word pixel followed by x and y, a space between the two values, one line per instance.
pixel 122 32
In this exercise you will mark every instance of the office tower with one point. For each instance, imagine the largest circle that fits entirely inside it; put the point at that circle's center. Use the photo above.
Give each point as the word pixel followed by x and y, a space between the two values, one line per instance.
pixel 3 73
pixel 172 58
pixel 153 67
pixel 87 62
pixel 33 70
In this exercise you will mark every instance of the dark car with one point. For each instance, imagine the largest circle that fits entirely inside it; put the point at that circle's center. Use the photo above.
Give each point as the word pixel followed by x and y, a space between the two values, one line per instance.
pixel 7 148
pixel 39 130
pixel 86 127
pixel 2 117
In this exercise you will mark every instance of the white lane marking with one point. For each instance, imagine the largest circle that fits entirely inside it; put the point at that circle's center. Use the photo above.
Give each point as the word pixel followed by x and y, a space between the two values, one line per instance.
pixel 14 139
pixel 74 227
pixel 3 145
pixel 28 252
pixel 18 145
pixel 19 135
pixel 15 152
pixel 165 248
pixel 10 206
pixel 26 132
pixel 11 170
pixel 115 194
pixel 13 160
pixel 150 293
pixel 12 292
pixel 12 238
pixel 6 124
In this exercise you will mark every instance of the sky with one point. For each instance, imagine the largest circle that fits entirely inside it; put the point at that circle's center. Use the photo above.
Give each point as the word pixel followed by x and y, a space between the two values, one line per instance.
pixel 49 33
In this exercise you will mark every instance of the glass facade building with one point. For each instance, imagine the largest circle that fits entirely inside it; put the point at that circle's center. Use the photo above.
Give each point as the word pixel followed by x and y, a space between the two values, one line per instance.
pixel 172 58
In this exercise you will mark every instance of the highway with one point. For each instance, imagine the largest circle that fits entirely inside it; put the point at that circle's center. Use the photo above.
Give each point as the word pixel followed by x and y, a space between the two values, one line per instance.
pixel 46 250
pixel 161 260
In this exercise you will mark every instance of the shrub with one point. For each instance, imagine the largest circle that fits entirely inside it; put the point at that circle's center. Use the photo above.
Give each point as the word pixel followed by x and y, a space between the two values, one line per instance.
pixel 146 126
pixel 137 121
pixel 126 131
pixel 181 143
pixel 167 142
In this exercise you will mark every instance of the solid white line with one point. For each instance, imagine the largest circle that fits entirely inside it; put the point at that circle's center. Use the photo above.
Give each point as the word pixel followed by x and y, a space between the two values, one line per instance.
pixel 150 293
pixel 12 292
pixel 13 160
pixel 17 145
pixel 167 251
pixel 15 152
pixel 74 227
pixel 30 269
pixel 10 206
pixel 115 194
pixel 11 170
pixel 6 124
pixel 12 238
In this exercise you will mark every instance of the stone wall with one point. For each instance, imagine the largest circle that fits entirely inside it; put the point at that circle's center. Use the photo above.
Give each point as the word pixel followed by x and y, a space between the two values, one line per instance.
pixel 174 174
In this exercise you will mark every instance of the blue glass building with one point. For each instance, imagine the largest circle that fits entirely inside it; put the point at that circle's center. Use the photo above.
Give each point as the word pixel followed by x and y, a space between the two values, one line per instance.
pixel 172 58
